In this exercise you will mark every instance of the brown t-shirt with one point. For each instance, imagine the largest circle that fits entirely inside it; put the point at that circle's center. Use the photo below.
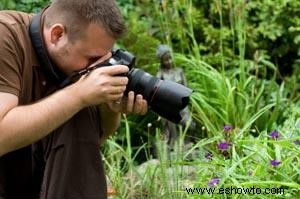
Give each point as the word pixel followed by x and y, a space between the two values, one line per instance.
pixel 18 62
pixel 21 75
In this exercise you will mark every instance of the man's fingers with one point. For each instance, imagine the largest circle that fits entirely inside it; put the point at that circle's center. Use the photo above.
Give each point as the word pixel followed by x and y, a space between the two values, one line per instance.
pixel 113 70
pixel 138 106
pixel 145 107
pixel 130 102
pixel 115 97
pixel 113 74
pixel 118 81
pixel 117 90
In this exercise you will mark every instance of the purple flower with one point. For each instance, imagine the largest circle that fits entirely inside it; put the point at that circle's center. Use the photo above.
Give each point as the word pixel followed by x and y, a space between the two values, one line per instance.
pixel 275 163
pixel 214 182
pixel 227 127
pixel 297 142
pixel 223 145
pixel 274 135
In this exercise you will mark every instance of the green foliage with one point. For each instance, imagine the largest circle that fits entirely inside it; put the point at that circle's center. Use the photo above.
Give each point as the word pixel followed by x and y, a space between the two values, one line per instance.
pixel 222 32
pixel 274 26
pixel 140 42
pixel 248 163
pixel 24 5
pixel 242 60
pixel 218 100
pixel 238 41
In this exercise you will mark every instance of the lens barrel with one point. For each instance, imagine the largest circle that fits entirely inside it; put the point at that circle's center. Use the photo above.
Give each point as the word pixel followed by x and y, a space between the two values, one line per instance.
pixel 164 97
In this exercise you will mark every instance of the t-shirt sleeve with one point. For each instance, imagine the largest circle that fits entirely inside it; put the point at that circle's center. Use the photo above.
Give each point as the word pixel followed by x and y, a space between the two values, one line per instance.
pixel 10 62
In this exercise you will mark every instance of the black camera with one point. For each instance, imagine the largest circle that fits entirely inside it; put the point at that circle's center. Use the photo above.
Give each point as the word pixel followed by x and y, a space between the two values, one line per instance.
pixel 166 98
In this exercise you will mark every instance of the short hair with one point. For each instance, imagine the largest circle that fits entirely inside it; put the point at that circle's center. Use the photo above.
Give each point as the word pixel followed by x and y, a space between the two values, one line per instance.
pixel 76 15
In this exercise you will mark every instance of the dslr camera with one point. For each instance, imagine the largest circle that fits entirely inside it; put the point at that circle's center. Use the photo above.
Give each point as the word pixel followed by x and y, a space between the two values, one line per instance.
pixel 166 98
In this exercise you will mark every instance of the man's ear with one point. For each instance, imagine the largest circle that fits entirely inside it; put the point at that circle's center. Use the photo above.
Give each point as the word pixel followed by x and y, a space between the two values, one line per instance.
pixel 57 33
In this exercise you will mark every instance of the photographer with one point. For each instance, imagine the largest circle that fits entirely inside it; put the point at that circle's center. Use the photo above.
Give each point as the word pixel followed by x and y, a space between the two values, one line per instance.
pixel 50 136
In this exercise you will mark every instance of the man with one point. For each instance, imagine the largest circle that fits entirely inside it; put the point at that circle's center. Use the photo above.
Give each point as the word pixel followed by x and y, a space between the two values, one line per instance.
pixel 49 136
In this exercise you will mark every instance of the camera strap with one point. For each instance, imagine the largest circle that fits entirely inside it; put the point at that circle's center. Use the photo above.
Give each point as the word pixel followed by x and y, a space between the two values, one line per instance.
pixel 52 73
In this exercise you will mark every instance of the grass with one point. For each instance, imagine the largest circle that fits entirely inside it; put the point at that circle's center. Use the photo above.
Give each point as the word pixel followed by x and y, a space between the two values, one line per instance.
pixel 247 165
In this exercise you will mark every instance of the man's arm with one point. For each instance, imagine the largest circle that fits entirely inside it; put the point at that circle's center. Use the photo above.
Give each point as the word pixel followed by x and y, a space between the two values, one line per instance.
pixel 23 125
pixel 110 121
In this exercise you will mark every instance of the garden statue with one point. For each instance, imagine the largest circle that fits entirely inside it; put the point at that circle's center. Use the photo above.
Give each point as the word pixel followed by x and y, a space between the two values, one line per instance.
pixel 167 71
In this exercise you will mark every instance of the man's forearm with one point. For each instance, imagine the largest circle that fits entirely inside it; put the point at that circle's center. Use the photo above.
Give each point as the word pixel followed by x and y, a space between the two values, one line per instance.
pixel 110 121
pixel 24 125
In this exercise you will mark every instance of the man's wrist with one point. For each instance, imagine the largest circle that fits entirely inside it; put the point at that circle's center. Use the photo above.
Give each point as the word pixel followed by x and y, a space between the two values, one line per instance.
pixel 72 93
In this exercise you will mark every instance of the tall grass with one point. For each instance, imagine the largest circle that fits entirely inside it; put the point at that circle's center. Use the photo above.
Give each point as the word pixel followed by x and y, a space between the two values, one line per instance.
pixel 171 174
pixel 217 100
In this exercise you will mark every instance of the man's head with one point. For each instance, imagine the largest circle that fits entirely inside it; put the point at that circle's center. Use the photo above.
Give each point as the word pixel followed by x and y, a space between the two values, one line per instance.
pixel 164 54
pixel 79 32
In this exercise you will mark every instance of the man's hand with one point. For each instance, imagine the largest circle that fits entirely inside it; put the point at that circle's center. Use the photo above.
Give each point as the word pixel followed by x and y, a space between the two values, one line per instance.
pixel 130 104
pixel 102 85
pixel 111 116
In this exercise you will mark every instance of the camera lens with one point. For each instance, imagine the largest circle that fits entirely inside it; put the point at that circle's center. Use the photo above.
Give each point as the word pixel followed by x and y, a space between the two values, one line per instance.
pixel 166 98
